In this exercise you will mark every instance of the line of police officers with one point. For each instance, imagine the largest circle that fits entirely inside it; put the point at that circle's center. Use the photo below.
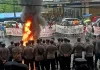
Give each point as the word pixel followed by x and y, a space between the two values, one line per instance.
pixel 47 53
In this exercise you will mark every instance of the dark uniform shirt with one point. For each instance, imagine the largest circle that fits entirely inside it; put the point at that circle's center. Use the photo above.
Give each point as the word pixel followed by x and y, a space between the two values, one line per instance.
pixel 10 49
pixel 78 49
pixel 28 52
pixel 17 52
pixel 39 52
pixel 6 53
pixel 51 49
pixel 66 48
pixel 89 49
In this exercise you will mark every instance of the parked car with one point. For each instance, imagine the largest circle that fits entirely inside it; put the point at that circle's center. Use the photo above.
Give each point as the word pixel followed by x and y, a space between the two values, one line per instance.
pixel 69 21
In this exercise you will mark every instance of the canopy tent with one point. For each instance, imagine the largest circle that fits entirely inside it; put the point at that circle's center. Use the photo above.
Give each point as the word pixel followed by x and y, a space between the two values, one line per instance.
pixel 87 15
pixel 10 15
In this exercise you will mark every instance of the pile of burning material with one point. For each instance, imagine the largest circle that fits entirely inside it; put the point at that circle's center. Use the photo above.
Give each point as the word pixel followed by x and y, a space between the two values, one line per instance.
pixel 32 18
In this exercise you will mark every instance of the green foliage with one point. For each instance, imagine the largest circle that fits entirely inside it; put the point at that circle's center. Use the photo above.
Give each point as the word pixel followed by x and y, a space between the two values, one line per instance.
pixel 8 7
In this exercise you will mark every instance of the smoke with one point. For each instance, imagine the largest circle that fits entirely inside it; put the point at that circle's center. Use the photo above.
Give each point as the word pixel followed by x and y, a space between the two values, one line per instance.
pixel 33 8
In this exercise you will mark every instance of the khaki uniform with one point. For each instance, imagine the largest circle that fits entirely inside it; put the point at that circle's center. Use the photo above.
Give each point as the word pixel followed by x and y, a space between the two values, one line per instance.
pixel 78 49
pixel 10 49
pixel 39 56
pixel 29 56
pixel 17 54
pixel 1 59
pixel 6 54
pixel 50 51
pixel 89 49
pixel 28 53
pixel 65 51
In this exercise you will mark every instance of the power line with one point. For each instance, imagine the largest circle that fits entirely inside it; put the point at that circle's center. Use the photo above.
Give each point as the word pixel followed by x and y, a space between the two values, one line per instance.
pixel 51 5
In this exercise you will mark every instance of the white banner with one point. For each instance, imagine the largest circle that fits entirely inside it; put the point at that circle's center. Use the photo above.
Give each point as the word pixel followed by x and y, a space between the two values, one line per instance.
pixel 96 30
pixel 69 29
pixel 46 32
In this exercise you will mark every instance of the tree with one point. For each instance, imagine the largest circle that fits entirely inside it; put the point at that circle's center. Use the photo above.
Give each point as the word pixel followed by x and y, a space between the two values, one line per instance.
pixel 8 7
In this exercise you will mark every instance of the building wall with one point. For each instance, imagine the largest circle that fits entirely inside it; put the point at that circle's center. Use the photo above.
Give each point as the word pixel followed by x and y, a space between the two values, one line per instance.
pixel 94 11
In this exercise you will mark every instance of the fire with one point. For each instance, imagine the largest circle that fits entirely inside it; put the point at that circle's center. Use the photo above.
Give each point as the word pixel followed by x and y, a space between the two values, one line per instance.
pixel 28 31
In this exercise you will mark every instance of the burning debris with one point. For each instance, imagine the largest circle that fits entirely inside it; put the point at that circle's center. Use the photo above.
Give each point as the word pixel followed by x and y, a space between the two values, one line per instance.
pixel 32 18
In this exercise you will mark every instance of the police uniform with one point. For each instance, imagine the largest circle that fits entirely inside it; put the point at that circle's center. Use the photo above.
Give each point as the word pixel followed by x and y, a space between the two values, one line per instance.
pixel 50 51
pixel 29 56
pixel 78 49
pixel 10 49
pixel 1 59
pixel 39 56
pixel 17 54
pixel 89 49
pixel 6 54
pixel 65 55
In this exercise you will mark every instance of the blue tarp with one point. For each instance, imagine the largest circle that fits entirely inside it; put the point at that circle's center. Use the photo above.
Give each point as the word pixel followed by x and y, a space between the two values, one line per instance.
pixel 9 15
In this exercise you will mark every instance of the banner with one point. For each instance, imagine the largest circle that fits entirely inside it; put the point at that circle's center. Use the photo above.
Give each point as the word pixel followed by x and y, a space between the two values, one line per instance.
pixel 14 31
pixel 69 29
pixel 96 30
pixel 46 32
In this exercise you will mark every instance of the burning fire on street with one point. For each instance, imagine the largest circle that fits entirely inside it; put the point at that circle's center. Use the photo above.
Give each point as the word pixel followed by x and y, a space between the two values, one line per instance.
pixel 32 18
pixel 27 31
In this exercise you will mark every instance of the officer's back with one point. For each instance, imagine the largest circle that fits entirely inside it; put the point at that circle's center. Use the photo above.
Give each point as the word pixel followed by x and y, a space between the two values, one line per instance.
pixel 78 48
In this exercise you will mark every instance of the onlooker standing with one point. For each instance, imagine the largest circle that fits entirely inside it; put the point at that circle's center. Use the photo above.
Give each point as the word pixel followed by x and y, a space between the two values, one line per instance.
pixel 89 49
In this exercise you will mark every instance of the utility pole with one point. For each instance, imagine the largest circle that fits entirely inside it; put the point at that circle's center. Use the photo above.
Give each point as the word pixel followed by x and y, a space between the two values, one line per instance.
pixel 14 10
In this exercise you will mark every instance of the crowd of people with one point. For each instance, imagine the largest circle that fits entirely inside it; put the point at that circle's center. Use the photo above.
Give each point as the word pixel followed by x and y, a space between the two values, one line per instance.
pixel 47 53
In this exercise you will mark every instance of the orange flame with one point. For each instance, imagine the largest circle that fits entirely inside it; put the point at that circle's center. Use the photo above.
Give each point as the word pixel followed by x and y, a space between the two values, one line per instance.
pixel 28 31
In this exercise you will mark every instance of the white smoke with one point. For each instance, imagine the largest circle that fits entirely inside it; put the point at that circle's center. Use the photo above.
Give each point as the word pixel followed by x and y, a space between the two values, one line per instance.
pixel 33 8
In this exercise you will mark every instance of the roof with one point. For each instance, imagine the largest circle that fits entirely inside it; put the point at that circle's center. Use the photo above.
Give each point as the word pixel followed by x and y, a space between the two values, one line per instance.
pixel 9 15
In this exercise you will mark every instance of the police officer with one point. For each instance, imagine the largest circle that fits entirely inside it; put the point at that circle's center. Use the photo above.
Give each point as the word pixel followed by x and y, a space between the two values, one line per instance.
pixel 89 49
pixel 50 51
pixel 65 53
pixel 47 41
pixel 29 55
pixel 17 53
pixel 6 53
pixel 97 51
pixel 78 49
pixel 10 49
pixel 1 58
pixel 39 55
